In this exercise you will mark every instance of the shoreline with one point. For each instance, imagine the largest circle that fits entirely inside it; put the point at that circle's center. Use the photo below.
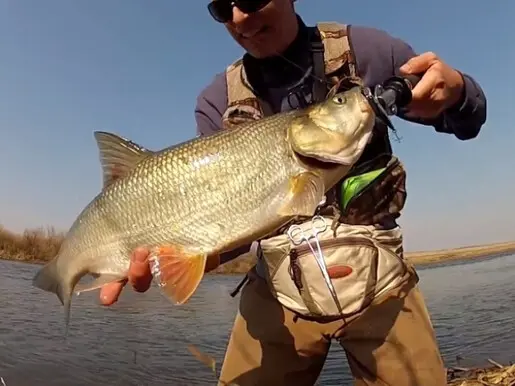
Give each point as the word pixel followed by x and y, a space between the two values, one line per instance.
pixel 26 246
pixel 472 252
pixel 420 259
pixel 45 243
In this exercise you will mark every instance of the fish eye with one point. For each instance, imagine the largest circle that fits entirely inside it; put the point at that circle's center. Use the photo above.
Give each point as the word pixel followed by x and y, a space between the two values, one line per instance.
pixel 339 99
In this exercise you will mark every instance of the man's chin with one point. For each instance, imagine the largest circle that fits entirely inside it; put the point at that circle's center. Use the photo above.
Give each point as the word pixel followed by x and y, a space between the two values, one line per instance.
pixel 258 51
pixel 259 46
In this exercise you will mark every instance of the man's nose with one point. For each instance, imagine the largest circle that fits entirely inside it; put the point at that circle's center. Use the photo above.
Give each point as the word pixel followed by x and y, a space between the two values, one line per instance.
pixel 238 16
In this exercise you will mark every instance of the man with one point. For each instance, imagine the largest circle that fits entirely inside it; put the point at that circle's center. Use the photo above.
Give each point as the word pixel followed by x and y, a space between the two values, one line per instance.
pixel 391 340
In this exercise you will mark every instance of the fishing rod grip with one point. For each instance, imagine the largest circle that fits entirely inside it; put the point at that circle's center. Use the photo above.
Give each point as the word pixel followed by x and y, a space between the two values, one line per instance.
pixel 412 80
pixel 401 86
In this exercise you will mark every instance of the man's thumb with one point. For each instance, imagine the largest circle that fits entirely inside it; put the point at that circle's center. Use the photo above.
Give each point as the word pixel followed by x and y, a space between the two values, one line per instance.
pixel 410 66
pixel 418 64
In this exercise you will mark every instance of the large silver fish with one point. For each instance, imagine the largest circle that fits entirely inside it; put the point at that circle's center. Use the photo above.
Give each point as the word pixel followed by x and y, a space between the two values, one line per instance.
pixel 190 202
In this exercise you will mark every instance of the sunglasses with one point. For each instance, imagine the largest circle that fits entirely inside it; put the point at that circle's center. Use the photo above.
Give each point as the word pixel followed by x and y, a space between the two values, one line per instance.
pixel 221 10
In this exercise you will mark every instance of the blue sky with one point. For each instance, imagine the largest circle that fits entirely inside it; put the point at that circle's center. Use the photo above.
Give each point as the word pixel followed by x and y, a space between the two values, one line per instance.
pixel 68 68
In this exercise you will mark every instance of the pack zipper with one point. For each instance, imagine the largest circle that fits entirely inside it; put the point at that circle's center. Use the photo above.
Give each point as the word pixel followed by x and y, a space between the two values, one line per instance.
pixel 304 249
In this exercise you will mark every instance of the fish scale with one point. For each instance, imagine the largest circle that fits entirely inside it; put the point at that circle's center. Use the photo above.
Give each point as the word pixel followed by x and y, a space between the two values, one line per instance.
pixel 192 201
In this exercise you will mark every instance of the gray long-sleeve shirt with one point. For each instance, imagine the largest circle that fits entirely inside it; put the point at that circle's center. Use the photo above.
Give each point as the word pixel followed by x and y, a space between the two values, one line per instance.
pixel 378 56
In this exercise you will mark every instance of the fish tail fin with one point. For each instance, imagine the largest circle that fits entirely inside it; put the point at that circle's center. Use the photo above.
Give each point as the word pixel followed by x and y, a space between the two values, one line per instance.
pixel 47 279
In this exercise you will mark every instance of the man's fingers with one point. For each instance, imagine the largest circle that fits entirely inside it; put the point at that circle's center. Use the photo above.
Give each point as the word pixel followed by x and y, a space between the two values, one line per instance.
pixel 140 276
pixel 109 293
pixel 419 64
pixel 424 87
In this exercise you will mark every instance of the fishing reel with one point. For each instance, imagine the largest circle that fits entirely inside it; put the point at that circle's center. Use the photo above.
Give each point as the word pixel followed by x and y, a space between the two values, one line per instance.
pixel 386 99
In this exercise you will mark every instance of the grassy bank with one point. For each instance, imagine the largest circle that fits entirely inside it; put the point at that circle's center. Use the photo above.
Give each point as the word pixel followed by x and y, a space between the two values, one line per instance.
pixel 464 253
pixel 40 245
pixel 33 245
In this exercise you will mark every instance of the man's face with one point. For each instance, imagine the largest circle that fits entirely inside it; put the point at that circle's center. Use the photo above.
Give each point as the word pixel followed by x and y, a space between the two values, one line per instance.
pixel 266 32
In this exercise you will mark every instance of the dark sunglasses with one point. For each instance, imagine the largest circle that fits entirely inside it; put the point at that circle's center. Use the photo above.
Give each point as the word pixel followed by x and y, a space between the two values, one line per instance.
pixel 221 10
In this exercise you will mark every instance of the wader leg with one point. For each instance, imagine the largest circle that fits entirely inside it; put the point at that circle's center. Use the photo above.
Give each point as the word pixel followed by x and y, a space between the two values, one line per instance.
pixel 267 347
pixel 393 342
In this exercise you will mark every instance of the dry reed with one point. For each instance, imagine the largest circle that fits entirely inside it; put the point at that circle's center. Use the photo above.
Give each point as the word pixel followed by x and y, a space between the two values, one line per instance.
pixel 34 245
pixel 496 375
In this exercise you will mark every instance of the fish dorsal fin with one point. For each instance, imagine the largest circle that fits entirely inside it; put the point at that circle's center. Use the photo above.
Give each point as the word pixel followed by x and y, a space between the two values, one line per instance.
pixel 118 155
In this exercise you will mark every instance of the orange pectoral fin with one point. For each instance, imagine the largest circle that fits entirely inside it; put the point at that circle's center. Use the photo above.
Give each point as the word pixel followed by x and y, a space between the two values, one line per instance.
pixel 177 272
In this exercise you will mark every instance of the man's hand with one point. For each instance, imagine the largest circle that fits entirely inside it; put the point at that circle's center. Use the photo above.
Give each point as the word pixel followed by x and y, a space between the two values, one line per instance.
pixel 139 277
pixel 440 88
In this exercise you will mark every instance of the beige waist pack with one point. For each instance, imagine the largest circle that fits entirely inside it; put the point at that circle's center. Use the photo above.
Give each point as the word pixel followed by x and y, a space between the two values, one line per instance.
pixel 362 262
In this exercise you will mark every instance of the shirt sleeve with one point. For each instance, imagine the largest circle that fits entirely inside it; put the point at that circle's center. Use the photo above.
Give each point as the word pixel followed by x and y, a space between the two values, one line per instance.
pixel 379 55
pixel 211 104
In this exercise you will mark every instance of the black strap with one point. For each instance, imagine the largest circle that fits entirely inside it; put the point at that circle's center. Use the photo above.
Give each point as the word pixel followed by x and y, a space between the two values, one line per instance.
pixel 317 51
pixel 239 286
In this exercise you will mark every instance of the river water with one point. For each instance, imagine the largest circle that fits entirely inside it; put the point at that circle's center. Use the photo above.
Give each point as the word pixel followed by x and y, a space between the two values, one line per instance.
pixel 142 340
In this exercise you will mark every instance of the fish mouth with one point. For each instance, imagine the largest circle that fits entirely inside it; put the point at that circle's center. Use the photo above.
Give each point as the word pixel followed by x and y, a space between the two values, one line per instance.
pixel 335 159
pixel 316 162
pixel 346 154
pixel 364 106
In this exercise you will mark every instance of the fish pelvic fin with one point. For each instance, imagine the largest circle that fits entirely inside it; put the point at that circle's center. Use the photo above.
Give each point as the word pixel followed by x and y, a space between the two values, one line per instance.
pixel 118 155
pixel 305 192
pixel 48 279
pixel 177 272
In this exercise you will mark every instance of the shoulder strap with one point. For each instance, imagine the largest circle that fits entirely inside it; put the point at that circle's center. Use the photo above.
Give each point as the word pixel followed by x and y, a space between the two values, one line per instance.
pixel 317 52
pixel 336 45
pixel 236 90
pixel 242 104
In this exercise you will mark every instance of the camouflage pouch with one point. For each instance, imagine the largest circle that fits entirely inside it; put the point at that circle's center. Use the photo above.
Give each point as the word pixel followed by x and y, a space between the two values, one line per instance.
pixel 373 195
